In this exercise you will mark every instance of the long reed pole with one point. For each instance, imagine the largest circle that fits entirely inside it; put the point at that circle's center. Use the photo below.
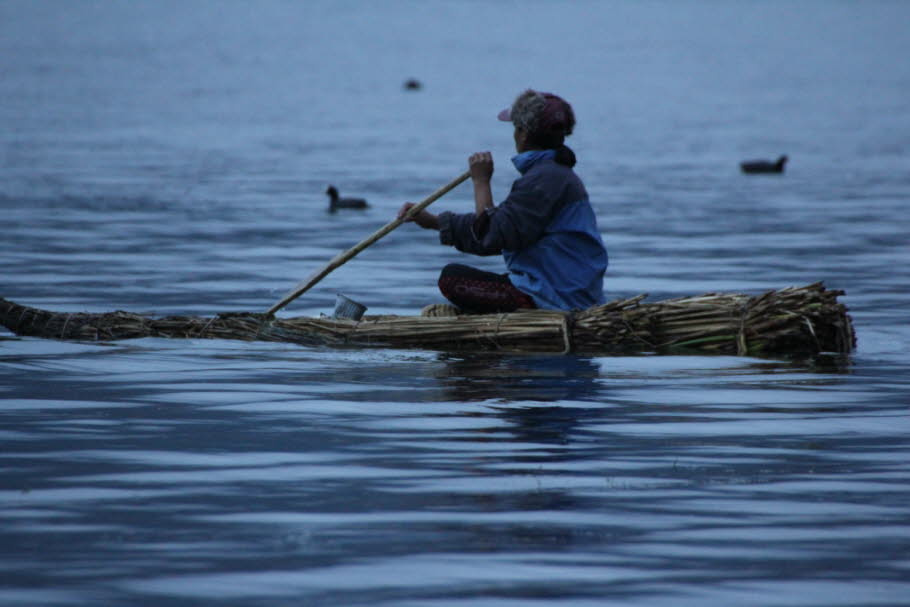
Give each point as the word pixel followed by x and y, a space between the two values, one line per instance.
pixel 346 256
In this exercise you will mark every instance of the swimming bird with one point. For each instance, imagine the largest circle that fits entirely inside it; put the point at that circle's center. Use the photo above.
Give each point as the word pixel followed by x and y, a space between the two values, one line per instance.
pixel 343 203
pixel 763 166
pixel 412 84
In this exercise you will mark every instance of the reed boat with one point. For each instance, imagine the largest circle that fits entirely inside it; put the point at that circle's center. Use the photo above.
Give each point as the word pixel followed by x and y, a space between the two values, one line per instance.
pixel 785 322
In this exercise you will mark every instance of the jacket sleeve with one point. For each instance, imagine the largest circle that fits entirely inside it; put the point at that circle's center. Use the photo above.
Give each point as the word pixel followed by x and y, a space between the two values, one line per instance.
pixel 457 229
pixel 518 222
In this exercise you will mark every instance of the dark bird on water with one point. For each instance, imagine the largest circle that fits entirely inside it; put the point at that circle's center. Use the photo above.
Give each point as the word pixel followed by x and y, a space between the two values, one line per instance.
pixel 763 166
pixel 335 202
pixel 412 84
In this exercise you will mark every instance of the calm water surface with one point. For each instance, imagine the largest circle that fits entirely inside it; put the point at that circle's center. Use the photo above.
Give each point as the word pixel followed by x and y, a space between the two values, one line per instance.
pixel 166 158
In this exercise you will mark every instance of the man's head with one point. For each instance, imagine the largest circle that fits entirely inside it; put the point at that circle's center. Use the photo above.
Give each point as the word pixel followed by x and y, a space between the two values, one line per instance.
pixel 546 119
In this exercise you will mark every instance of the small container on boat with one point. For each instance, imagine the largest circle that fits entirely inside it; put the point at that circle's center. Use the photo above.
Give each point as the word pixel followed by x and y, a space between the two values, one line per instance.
pixel 348 308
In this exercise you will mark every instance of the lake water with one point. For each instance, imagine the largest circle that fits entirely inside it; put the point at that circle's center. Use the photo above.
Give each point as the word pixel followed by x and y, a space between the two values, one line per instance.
pixel 172 158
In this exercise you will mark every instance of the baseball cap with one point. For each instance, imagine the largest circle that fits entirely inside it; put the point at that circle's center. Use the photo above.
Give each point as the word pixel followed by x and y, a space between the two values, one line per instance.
pixel 536 111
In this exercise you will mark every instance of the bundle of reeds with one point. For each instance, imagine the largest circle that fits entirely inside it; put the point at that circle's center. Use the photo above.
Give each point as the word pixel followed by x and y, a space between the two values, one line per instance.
pixel 795 320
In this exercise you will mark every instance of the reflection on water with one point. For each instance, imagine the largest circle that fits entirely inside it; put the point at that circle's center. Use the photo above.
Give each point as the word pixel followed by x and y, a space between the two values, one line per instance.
pixel 191 471
pixel 534 395
pixel 515 378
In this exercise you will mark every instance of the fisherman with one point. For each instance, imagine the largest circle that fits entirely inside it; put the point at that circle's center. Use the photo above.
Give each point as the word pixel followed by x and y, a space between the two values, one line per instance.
pixel 545 229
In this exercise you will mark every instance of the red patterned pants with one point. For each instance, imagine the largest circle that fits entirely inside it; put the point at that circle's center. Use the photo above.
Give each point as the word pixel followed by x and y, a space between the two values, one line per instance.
pixel 481 292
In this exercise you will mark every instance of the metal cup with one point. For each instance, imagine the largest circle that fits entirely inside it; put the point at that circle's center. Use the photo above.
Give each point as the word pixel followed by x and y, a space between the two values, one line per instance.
pixel 348 308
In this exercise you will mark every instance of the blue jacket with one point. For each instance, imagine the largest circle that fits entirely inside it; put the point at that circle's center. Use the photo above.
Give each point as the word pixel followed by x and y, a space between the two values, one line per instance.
pixel 546 232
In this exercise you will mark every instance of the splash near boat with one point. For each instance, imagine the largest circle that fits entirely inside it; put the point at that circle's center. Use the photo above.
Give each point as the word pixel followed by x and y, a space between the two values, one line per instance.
pixel 785 322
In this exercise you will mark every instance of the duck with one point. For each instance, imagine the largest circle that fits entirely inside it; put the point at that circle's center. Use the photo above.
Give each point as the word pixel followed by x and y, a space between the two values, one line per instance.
pixel 343 203
pixel 412 84
pixel 764 166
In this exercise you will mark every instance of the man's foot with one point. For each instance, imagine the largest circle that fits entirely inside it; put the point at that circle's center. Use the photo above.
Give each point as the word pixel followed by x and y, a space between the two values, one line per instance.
pixel 440 309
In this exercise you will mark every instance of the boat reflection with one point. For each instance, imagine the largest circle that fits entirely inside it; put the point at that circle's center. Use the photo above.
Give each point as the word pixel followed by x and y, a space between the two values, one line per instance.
pixel 508 378
pixel 539 396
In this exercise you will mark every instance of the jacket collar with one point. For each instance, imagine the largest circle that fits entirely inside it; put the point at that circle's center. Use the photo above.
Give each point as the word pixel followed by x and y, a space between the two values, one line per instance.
pixel 526 160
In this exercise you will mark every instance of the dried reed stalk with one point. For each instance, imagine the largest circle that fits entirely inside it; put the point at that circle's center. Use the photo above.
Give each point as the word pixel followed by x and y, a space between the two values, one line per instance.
pixel 345 256
pixel 795 320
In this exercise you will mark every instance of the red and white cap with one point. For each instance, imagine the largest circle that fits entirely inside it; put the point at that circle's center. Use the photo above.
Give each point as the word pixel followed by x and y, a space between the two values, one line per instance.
pixel 537 111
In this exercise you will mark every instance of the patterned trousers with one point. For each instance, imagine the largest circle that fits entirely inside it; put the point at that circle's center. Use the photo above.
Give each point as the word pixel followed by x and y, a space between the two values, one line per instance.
pixel 481 292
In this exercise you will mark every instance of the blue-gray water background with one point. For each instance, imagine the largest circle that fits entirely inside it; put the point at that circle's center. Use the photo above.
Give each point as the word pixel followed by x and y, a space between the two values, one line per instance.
pixel 172 157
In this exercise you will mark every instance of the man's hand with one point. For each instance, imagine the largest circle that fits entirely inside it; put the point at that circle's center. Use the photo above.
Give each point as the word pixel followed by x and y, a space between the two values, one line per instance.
pixel 481 165
pixel 424 219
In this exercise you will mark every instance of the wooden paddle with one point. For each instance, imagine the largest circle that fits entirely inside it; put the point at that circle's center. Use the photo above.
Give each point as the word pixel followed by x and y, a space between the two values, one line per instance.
pixel 345 256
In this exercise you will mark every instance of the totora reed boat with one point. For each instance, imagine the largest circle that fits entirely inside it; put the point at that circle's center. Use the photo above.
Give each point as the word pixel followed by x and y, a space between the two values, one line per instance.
pixel 786 322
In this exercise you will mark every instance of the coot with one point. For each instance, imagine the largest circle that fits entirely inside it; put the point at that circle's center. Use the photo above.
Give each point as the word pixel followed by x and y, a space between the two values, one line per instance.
pixel 764 166
pixel 335 202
